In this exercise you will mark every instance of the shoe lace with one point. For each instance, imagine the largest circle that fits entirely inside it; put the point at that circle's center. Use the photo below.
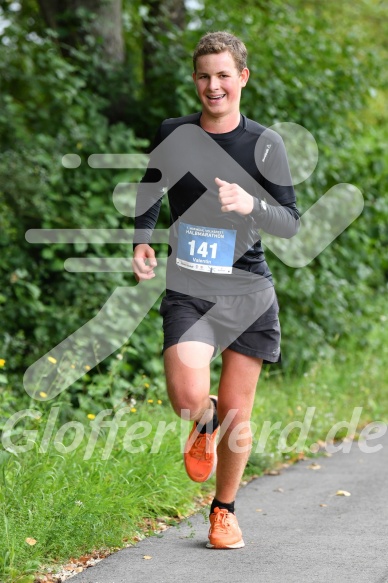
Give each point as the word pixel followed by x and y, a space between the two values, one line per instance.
pixel 200 447
pixel 222 521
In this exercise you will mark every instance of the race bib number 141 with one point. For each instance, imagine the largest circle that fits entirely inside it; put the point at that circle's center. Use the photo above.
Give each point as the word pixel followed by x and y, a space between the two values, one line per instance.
pixel 205 248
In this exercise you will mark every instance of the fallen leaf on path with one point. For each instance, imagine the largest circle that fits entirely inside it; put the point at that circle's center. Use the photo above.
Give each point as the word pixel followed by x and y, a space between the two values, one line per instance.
pixel 279 490
pixel 323 505
pixel 147 557
pixel 314 466
pixel 342 493
pixel 259 510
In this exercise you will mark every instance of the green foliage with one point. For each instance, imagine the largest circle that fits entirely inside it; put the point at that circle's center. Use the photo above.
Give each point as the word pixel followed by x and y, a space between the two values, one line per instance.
pixel 311 63
pixel 46 111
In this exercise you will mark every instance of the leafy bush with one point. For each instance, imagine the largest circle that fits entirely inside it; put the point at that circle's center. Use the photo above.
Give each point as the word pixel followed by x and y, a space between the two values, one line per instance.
pixel 47 111
pixel 307 67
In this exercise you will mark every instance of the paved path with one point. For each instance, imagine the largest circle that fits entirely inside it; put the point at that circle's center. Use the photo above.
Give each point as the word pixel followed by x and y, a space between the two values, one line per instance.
pixel 292 540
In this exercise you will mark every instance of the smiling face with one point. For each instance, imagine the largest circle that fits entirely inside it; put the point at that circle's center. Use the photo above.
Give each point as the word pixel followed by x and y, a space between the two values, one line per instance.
pixel 219 85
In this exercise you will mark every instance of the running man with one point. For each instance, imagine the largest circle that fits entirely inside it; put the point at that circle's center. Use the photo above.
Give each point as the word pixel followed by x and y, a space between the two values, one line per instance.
pixel 220 292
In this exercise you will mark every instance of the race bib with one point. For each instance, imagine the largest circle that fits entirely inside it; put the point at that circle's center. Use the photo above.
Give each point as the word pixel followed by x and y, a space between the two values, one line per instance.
pixel 205 248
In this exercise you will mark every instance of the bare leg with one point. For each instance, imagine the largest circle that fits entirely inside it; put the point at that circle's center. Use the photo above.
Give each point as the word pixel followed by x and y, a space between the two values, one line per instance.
pixel 188 385
pixel 188 389
pixel 238 382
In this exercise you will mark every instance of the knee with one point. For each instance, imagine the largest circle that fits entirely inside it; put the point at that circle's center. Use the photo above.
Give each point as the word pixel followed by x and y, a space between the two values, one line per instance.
pixel 188 408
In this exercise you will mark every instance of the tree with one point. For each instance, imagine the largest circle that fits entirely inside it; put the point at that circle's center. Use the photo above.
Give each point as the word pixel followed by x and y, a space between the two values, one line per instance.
pixel 74 19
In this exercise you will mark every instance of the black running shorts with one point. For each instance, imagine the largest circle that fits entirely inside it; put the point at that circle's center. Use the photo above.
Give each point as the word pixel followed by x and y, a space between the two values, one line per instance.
pixel 248 324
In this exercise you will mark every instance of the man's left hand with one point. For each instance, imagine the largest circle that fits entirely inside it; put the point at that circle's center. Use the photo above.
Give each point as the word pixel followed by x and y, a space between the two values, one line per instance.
pixel 234 198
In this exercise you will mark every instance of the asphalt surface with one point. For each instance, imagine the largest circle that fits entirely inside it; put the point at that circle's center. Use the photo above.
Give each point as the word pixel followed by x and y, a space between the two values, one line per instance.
pixel 296 530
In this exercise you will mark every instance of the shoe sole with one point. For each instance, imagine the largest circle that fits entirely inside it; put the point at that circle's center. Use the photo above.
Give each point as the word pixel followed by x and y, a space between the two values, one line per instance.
pixel 239 545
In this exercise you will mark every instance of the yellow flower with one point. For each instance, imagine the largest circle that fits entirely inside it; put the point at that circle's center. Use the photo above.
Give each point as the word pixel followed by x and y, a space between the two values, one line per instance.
pixel 52 359
pixel 43 394
pixel 2 362
pixel 72 366
pixel 133 410
pixel 146 385
pixel 91 416
pixel 150 400
pixel 87 367
pixel 159 402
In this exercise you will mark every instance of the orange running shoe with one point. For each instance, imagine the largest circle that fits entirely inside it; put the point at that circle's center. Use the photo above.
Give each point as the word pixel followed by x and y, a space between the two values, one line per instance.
pixel 224 531
pixel 200 455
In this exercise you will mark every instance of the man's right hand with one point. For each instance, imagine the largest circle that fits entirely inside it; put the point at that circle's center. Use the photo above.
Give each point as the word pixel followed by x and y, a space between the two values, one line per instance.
pixel 143 262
